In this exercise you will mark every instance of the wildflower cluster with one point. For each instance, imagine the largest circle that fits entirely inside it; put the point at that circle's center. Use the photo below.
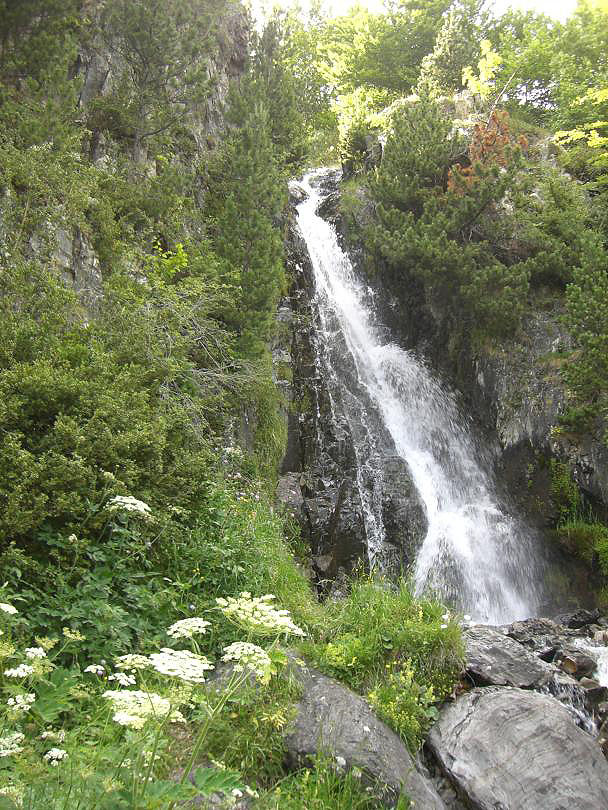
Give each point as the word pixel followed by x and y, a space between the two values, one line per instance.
pixel 132 662
pixel 11 744
pixel 249 657
pixel 8 608
pixel 182 664
pixel 258 615
pixel 55 755
pixel 134 708
pixel 21 703
pixel 186 628
pixel 34 652
pixel 127 503
pixel 122 679
pixel 95 669
pixel 21 671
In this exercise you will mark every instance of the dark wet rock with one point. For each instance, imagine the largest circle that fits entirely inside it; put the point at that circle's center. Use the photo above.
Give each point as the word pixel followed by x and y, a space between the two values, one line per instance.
pixel 289 495
pixel 331 718
pixel 297 194
pixel 575 662
pixel 329 209
pixel 596 694
pixel 403 515
pixel 511 749
pixel 578 619
pixel 543 636
pixel 333 419
pixel 494 659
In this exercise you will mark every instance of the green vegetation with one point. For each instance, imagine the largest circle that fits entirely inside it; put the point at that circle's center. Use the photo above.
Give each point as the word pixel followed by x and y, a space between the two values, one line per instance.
pixel 144 153
pixel 324 787
pixel 405 654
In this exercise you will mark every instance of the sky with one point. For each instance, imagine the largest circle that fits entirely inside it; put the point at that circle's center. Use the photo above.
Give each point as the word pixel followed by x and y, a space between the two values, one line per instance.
pixel 560 9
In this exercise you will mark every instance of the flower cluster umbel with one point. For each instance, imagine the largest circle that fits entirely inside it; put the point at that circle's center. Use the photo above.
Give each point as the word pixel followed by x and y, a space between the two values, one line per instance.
pixel 258 616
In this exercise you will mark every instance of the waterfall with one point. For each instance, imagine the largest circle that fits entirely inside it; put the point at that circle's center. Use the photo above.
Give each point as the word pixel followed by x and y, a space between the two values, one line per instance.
pixel 475 556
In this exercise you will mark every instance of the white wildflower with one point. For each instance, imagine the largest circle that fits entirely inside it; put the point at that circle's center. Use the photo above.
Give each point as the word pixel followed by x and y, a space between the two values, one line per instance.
pixel 122 678
pixel 21 703
pixel 22 671
pixel 182 664
pixel 444 626
pixel 131 720
pixel 34 652
pixel 258 615
pixel 95 669
pixel 8 608
pixel 55 736
pixel 134 707
pixel 127 503
pixel 55 755
pixel 249 656
pixel 132 661
pixel 11 744
pixel 13 792
pixel 186 628
pixel 466 617
pixel 445 617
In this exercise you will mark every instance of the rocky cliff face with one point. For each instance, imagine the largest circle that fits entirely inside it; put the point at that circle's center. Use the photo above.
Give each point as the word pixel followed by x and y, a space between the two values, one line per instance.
pixel 100 68
pixel 514 387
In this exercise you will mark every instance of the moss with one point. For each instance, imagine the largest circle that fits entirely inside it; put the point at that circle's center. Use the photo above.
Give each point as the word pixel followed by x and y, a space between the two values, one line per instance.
pixel 565 493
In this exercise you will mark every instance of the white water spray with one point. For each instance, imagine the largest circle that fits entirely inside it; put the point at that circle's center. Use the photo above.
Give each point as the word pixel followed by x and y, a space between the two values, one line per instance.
pixel 474 556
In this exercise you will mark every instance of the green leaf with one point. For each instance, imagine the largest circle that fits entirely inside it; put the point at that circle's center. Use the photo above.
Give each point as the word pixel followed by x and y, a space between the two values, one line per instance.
pixel 214 780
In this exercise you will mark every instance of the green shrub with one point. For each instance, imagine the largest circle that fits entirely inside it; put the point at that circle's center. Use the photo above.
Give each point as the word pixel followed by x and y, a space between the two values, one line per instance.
pixel 565 493
pixel 582 538
pixel 380 625
pixel 404 704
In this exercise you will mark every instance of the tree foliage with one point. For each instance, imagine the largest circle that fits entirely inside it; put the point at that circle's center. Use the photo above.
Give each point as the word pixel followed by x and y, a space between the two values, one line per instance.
pixel 436 225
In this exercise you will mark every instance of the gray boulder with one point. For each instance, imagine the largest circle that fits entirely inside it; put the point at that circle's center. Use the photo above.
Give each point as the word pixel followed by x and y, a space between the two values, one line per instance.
pixel 494 659
pixel 511 749
pixel 333 719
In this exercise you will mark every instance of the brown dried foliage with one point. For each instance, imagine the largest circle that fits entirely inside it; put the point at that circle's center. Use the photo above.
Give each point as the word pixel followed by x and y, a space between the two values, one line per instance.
pixel 491 145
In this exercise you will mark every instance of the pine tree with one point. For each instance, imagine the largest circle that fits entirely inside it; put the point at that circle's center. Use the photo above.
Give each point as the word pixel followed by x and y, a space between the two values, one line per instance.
pixel 247 196
pixel 587 318
pixel 439 234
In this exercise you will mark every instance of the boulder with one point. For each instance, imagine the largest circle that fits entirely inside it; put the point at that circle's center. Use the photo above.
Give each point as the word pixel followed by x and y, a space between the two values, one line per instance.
pixel 494 659
pixel 543 636
pixel 333 719
pixel 575 662
pixel 511 749
pixel 579 618
pixel 289 495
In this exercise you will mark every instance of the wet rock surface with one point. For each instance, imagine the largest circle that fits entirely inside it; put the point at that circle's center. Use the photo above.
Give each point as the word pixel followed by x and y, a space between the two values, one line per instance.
pixel 511 749
pixel 331 718
pixel 326 424
pixel 494 659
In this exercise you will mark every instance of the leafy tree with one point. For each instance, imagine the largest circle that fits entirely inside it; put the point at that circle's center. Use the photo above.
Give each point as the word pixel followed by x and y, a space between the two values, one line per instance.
pixel 121 404
pixel 36 36
pixel 587 302
pixel 441 70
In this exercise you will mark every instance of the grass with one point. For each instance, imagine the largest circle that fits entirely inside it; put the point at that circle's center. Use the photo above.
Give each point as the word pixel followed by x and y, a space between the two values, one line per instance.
pixel 323 787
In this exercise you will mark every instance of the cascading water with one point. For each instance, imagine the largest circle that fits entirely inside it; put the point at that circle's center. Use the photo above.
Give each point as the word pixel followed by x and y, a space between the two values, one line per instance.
pixel 474 556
